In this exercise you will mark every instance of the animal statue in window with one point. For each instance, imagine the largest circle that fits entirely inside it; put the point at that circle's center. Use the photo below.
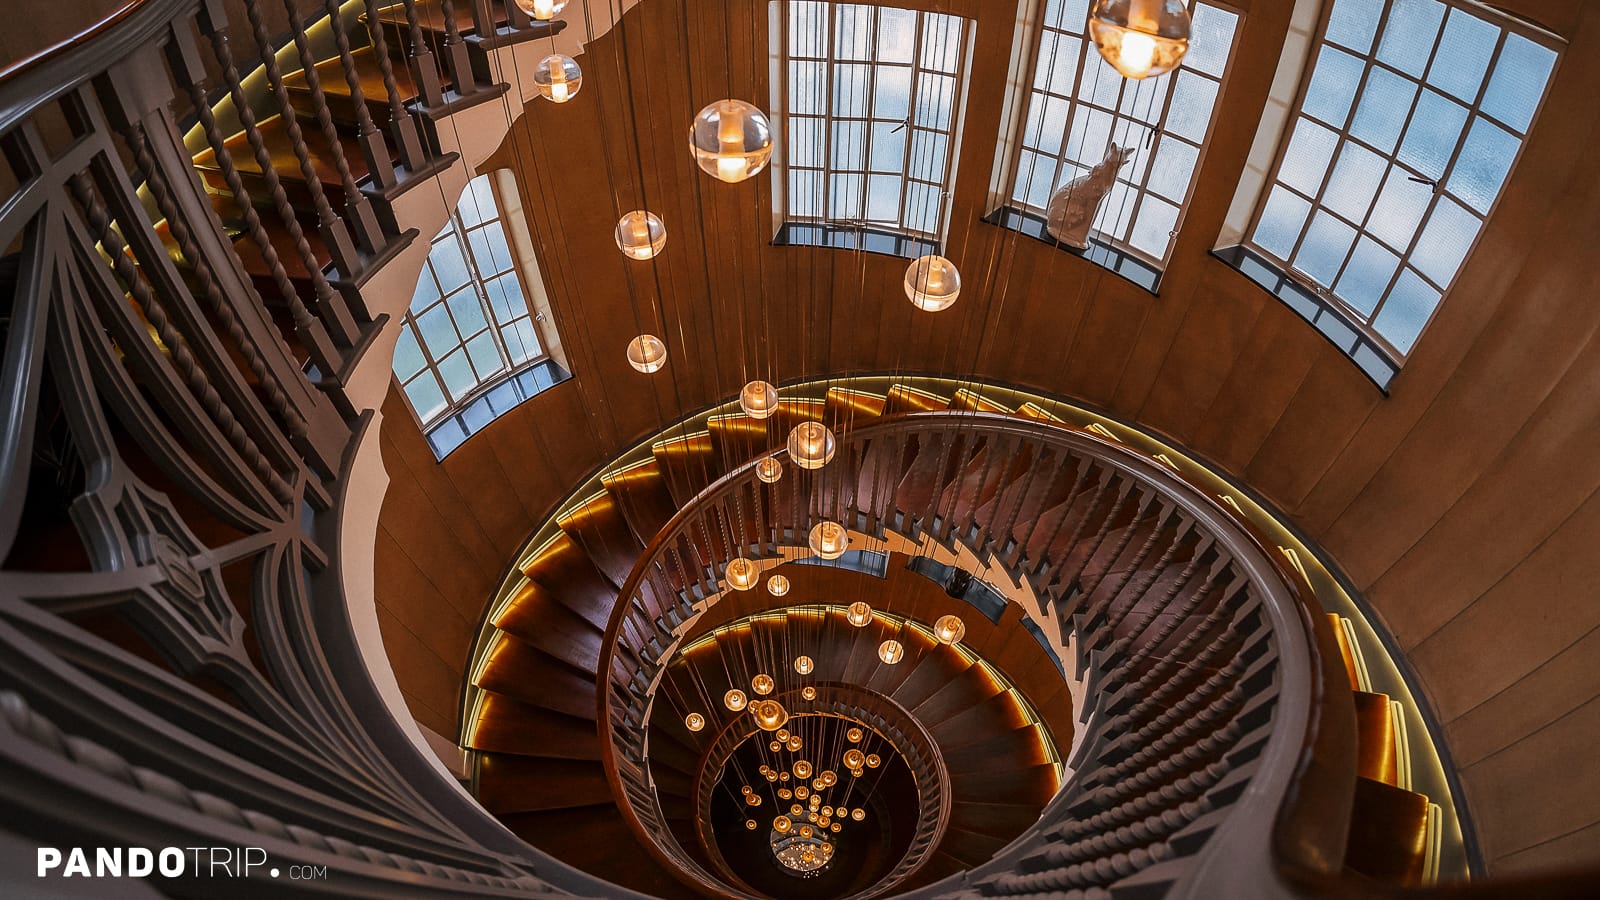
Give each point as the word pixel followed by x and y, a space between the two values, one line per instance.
pixel 1073 206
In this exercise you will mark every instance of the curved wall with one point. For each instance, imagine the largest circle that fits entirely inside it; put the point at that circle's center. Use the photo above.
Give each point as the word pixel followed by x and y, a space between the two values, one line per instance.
pixel 1465 506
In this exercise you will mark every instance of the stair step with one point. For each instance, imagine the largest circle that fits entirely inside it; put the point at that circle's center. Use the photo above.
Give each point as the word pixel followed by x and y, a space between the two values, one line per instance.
pixel 642 495
pixel 536 617
pixel 971 847
pixel 526 674
pixel 567 573
pixel 965 693
pixel 993 818
pixel 341 99
pixel 1036 785
pixel 507 725
pixel 968 400
pixel 847 409
pixel 599 528
pixel 275 136
pixel 1375 738
pixel 905 399
pixel 688 463
pixel 1388 833
pixel 511 784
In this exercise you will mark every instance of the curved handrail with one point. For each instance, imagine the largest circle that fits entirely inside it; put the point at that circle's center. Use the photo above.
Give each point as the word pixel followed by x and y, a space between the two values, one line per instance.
pixel 31 82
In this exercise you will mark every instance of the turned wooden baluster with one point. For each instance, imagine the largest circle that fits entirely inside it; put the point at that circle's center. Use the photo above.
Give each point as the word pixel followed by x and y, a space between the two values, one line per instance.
pixel 402 126
pixel 332 227
pixel 456 52
pixel 334 315
pixel 358 209
pixel 183 359
pixel 423 69
pixel 379 162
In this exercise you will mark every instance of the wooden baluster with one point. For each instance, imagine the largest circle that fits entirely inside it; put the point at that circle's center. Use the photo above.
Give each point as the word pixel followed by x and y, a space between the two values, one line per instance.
pixel 358 209
pixel 332 227
pixel 423 68
pixel 516 16
pixel 403 127
pixel 335 318
pixel 483 23
pixel 183 359
pixel 380 164
pixel 456 52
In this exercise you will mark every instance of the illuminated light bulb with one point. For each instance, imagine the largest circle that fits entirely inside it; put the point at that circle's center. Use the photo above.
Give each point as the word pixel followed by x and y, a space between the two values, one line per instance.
pixel 770 715
pixel 802 792
pixel 784 793
pixel 873 760
pixel 745 790
pixel 640 234
pixel 854 735
pixel 932 283
pixel 1141 38
pixel 804 665
pixel 858 814
pixel 769 469
pixel 891 652
pixel 811 445
pixel 833 827
pixel 802 769
pixel 542 10
pixel 734 700
pixel 761 684
pixel 753 799
pixel 782 824
pixel 758 399
pixel 827 812
pixel 750 824
pixel 949 629
pixel 812 817
pixel 731 140
pixel 772 776
pixel 794 742
pixel 817 785
pixel 775 746
pixel 783 734
pixel 783 776
pixel 558 78
pixel 647 353
pixel 806 831
pixel 742 575
pixel 859 613
pixel 777 586
pixel 856 773
pixel 808 692
pixel 797 810
pixel 816 801
pixel 828 540
pixel 694 721
pixel 853 758
pixel 830 777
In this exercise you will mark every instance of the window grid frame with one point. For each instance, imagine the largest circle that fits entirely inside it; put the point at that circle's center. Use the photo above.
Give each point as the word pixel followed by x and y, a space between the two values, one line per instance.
pixel 1157 129
pixel 1365 322
pixel 458 231
pixel 827 118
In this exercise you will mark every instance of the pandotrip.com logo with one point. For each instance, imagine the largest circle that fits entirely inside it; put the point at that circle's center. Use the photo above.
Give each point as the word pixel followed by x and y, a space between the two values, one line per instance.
pixel 167 862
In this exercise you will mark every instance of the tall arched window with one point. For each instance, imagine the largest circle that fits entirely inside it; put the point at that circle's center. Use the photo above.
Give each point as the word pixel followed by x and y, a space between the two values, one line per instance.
pixel 470 326
pixel 1409 121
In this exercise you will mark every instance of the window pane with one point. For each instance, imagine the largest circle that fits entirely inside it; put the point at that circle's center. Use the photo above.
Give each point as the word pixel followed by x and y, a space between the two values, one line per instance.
pixel 437 332
pixel 1444 242
pixel 1058 63
pixel 1484 162
pixel 851 90
pixel 477 202
pixel 522 342
pixel 1409 305
pixel 805 194
pixel 456 372
pixel 1333 86
pixel 936 99
pixel 427 292
pixel 1433 134
pixel 897 35
pixel 1173 169
pixel 408 359
pixel 1401 205
pixel 1326 245
pixel 1385 105
pixel 891 96
pixel 425 397
pixel 805 142
pixel 888 151
pixel 468 311
pixel 929 155
pixel 1356 177
pixel 505 298
pixel 1463 55
pixel 1152 231
pixel 846 196
pixel 1282 220
pixel 1305 163
pixel 1036 177
pixel 1353 23
pixel 1409 35
pixel 1518 82
pixel 806 88
pixel 850 146
pixel 448 264
pixel 1191 106
pixel 489 249
pixel 1211 39
pixel 1367 277
pixel 883 198
pixel 485 356
pixel 1068 15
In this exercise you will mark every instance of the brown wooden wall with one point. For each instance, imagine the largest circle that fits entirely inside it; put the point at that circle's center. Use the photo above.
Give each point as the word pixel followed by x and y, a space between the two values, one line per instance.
pixel 1466 505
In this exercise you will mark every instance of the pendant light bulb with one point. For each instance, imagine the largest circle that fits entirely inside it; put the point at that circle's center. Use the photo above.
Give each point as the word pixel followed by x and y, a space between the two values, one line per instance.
pixel 731 140
pixel 932 283
pixel 758 399
pixel 647 353
pixel 558 78
pixel 859 613
pixel 694 721
pixel 828 540
pixel 949 629
pixel 891 652
pixel 542 10
pixel 811 445
pixel 770 715
pixel 734 700
pixel 742 574
pixel 769 469
pixel 1141 38
pixel 777 586
pixel 640 234
pixel 804 664
pixel 762 684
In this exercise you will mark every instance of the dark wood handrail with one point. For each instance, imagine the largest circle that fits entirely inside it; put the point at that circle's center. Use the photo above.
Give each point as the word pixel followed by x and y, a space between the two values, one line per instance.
pixel 17 67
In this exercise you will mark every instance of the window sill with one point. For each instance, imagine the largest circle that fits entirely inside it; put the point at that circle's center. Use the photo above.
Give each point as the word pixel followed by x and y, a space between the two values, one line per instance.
pixel 854 237
pixel 1330 320
pixel 1117 261
pixel 453 430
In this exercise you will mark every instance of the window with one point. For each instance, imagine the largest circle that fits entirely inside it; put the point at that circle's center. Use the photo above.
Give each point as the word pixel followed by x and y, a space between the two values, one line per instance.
pixel 1077 106
pixel 872 99
pixel 469 326
pixel 1407 127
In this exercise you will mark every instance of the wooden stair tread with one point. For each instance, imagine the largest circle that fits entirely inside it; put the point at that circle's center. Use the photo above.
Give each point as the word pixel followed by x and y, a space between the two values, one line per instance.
pixel 275 135
pixel 508 725
pixel 1388 833
pixel 509 783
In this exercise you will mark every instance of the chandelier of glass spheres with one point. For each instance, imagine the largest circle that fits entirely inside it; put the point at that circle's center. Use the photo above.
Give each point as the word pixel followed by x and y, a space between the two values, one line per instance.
pixel 734 700
pixel 932 283
pixel 828 540
pixel 647 353
pixel 811 445
pixel 804 664
pixel 891 651
pixel 769 469
pixel 758 399
pixel 742 574
pixel 731 140
pixel 641 234
pixel 542 10
pixel 762 684
pixel 949 629
pixel 558 78
pixel 858 613
pixel 1140 38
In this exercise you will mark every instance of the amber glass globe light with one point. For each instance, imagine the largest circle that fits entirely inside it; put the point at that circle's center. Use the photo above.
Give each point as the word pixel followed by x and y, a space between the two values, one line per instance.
pixel 731 140
pixel 949 629
pixel 758 399
pixel 769 469
pixel 933 283
pixel 802 769
pixel 804 664
pixel 647 353
pixel 808 692
pixel 781 824
pixel 542 10
pixel 858 613
pixel 853 758
pixel 734 699
pixel 640 234
pixel 811 445
pixel 793 743
pixel 1140 38
pixel 770 715
pixel 858 814
pixel 694 721
pixel 558 78
pixel 873 760
pixel 742 574
pixel 854 736
pixel 828 540
pixel 762 684
pixel 891 652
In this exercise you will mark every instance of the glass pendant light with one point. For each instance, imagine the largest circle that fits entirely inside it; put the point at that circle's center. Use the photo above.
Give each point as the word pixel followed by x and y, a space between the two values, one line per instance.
pixel 769 469
pixel 858 814
pixel 770 715
pixel 734 700
pixel 750 824
pixel 753 799
pixel 859 613
pixel 828 540
pixel 873 760
pixel 933 283
pixel 854 736
pixel 811 445
pixel 731 140
pixel 802 769
pixel 694 721
pixel 775 746
pixel 742 574
pixel 758 399
pixel 558 78
pixel 762 684
pixel 830 778
pixel 542 10
pixel 777 586
pixel 793 743
pixel 854 758
pixel 781 824
pixel 647 353
pixel 891 651
pixel 808 692
pixel 804 665
pixel 1141 38
pixel 641 234
pixel 949 629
